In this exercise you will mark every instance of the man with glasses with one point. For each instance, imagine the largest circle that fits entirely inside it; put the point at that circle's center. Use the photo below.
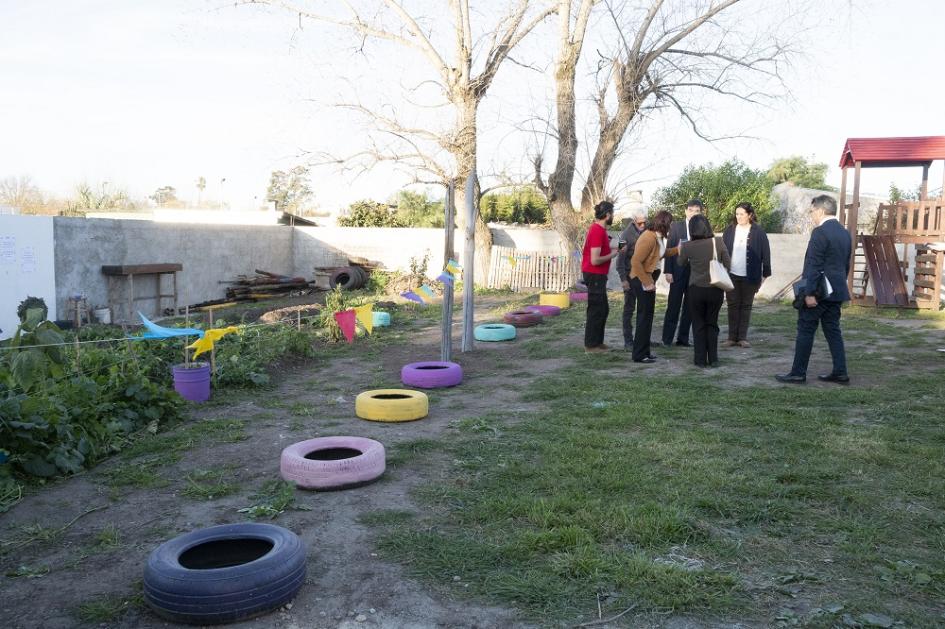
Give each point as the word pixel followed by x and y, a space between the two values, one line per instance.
pixel 629 236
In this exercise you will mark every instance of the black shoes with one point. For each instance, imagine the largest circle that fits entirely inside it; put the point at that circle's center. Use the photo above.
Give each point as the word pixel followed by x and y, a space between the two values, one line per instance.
pixel 790 378
pixel 648 359
pixel 839 378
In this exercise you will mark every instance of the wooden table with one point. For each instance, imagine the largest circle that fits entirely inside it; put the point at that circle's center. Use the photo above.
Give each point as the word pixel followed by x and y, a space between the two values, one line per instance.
pixel 125 275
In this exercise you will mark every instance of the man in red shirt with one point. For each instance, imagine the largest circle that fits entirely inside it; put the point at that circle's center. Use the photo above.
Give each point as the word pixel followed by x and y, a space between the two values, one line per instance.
pixel 595 265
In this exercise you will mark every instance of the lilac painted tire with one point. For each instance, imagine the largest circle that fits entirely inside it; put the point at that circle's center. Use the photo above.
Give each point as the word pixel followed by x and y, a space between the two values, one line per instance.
pixel 545 311
pixel 433 374
pixel 578 296
pixel 522 318
pixel 330 463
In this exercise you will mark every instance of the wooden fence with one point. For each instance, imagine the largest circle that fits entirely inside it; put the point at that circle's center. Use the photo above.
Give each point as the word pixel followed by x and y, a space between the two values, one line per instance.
pixel 522 270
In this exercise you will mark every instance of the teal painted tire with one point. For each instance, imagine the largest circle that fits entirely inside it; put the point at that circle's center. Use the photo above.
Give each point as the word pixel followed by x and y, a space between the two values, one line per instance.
pixel 381 319
pixel 494 332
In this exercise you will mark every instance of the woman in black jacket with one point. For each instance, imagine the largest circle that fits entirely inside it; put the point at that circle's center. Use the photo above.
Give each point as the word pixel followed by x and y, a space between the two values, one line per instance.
pixel 751 265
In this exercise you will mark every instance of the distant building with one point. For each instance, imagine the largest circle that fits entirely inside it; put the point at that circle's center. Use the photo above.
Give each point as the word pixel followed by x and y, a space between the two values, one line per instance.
pixel 8 210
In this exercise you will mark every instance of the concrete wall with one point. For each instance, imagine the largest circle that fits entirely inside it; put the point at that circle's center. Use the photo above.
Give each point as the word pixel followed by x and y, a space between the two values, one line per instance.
pixel 214 253
pixel 208 253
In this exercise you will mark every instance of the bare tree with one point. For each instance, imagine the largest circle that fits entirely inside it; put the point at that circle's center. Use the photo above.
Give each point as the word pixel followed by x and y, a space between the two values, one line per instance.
pixel 670 53
pixel 462 70
pixel 20 192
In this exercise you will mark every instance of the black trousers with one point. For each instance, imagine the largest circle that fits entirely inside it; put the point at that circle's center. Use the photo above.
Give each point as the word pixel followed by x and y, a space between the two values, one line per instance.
pixel 739 301
pixel 646 304
pixel 597 309
pixel 827 314
pixel 629 305
pixel 705 302
pixel 677 301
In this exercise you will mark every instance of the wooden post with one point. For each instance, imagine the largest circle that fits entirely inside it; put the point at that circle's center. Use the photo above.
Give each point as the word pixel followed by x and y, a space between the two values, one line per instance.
pixel 924 194
pixel 298 319
pixel 852 221
pixel 469 259
pixel 843 197
pixel 213 350
pixel 446 341
pixel 186 338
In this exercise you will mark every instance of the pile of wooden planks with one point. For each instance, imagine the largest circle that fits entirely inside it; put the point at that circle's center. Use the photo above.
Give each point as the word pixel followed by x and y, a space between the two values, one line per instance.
pixel 264 285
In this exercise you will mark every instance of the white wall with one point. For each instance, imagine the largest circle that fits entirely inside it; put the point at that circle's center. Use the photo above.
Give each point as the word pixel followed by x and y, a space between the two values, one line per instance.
pixel 27 266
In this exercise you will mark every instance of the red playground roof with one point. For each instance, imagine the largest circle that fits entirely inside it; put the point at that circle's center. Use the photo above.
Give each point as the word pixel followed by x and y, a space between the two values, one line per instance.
pixel 879 152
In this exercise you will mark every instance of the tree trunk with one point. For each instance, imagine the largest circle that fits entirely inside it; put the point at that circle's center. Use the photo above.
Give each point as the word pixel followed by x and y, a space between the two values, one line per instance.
pixel 464 152
pixel 608 146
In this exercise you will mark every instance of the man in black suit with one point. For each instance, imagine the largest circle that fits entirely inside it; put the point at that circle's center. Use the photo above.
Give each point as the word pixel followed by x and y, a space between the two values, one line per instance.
pixel 678 278
pixel 828 256
pixel 636 227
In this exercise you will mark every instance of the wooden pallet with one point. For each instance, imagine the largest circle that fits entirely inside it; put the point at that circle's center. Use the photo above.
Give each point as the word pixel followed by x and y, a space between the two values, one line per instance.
pixel 885 271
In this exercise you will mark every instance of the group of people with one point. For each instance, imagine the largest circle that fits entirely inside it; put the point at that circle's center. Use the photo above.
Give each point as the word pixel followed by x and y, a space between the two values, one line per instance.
pixel 684 251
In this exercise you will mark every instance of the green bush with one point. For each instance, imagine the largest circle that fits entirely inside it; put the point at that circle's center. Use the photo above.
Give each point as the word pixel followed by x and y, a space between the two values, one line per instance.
pixel 370 214
pixel 722 188
pixel 524 204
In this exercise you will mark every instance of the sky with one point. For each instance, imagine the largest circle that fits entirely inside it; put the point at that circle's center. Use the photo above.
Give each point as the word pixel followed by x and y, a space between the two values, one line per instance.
pixel 139 94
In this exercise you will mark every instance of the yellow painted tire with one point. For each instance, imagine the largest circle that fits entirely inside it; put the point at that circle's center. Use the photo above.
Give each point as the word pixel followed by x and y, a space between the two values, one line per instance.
pixel 561 300
pixel 392 405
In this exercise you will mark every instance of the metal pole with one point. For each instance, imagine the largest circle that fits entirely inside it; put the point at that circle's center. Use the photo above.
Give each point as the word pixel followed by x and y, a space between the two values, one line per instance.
pixel 446 342
pixel 469 260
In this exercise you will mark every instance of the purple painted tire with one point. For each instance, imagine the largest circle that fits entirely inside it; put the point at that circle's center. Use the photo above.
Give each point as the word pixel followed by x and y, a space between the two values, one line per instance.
pixel 545 311
pixel 330 463
pixel 432 374
pixel 578 296
pixel 522 318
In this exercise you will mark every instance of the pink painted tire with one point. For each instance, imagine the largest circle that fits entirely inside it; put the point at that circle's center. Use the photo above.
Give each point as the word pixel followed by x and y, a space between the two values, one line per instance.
pixel 432 374
pixel 329 463
pixel 522 318
pixel 545 311
pixel 578 296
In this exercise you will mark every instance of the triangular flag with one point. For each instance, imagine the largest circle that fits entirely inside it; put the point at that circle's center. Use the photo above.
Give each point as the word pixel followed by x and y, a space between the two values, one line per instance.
pixel 453 267
pixel 346 321
pixel 426 290
pixel 513 261
pixel 205 343
pixel 155 331
pixel 446 278
pixel 412 296
pixel 365 315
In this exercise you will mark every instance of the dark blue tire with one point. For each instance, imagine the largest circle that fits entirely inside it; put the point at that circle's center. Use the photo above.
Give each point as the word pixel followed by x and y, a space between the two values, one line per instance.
pixel 224 573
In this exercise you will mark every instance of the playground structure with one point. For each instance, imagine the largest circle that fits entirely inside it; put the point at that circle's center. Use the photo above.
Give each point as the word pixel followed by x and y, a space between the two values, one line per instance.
pixel 878 275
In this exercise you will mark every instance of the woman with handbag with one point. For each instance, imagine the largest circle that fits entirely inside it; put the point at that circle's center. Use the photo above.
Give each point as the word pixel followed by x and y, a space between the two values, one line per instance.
pixel 751 265
pixel 708 258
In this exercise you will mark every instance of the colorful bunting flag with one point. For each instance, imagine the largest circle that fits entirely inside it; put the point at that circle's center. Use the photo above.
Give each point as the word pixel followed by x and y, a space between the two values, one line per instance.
pixel 446 278
pixel 426 290
pixel 346 321
pixel 365 316
pixel 205 343
pixel 453 267
pixel 513 261
pixel 412 296
pixel 155 331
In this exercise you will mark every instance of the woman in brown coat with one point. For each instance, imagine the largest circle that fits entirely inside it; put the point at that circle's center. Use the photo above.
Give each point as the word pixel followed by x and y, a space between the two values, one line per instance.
pixel 644 271
pixel 705 300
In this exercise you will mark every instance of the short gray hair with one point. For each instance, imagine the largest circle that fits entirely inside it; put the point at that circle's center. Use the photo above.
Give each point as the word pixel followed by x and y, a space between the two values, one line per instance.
pixel 826 203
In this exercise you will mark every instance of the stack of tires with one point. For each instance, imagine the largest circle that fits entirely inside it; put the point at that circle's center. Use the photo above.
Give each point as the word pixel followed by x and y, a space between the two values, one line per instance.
pixel 348 278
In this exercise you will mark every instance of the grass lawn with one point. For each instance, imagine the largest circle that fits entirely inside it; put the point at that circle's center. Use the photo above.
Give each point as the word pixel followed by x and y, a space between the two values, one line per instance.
pixel 714 494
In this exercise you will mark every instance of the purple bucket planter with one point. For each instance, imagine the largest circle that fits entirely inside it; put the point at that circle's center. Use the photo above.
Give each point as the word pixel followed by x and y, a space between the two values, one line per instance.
pixel 194 383
pixel 433 374
pixel 578 296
